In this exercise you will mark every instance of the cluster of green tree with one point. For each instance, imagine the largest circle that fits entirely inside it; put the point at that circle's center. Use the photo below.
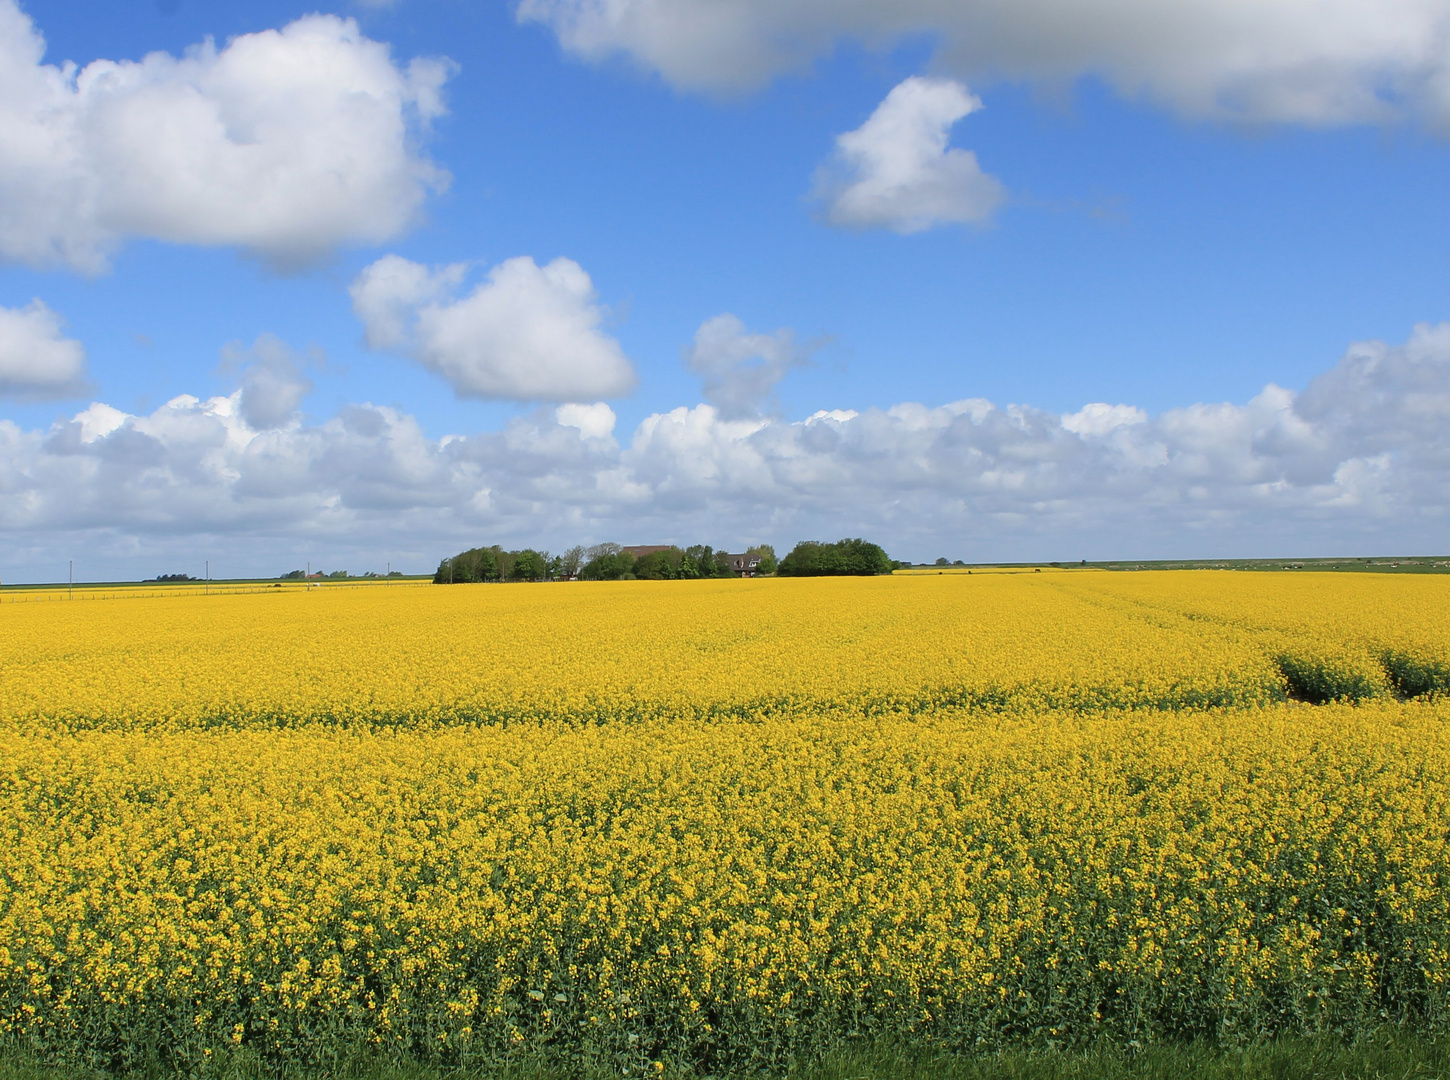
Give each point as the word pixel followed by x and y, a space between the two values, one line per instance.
pixel 609 562
pixel 164 578
pixel 811 558
pixel 602 562
pixel 496 564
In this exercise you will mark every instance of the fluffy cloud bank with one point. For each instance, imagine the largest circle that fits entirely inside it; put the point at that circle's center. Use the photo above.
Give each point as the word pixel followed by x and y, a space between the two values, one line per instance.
pixel 527 333
pixel 896 172
pixel 36 359
pixel 1298 61
pixel 1360 460
pixel 286 143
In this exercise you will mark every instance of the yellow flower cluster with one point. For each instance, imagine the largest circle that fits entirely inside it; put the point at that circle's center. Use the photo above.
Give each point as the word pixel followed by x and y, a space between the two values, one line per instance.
pixel 723 822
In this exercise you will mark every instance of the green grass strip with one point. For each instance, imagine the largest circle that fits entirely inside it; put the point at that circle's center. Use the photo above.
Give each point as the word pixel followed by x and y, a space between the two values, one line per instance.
pixel 1390 1054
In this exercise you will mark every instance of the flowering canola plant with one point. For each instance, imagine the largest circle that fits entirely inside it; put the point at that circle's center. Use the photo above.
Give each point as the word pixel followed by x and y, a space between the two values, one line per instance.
pixel 723 822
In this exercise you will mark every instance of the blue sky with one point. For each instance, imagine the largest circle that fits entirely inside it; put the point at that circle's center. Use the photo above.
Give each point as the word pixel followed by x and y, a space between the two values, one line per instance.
pixel 1157 231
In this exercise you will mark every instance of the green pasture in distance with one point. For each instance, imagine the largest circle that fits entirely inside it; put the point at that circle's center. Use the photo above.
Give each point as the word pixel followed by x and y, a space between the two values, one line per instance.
pixel 1408 564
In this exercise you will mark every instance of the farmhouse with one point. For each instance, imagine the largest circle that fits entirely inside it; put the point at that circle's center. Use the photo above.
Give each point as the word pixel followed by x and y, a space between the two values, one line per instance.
pixel 743 564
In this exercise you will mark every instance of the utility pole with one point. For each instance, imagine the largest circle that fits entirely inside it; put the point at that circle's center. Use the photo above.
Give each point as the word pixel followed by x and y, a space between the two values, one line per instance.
pixel 207 588
pixel 71 592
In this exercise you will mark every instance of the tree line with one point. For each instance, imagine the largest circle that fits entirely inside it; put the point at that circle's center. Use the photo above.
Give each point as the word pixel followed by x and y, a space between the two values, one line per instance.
pixel 610 562
pixel 602 562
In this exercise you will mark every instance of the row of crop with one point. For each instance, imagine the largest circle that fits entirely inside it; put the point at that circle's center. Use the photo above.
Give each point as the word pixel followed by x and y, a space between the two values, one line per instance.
pixel 1317 678
pixel 1332 637
pixel 1280 669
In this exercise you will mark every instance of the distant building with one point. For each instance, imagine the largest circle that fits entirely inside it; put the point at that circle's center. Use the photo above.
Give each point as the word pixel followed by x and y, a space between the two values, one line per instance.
pixel 743 564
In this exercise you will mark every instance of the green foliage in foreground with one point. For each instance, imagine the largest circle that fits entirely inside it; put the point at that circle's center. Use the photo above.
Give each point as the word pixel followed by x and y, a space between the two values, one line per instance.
pixel 1390 1053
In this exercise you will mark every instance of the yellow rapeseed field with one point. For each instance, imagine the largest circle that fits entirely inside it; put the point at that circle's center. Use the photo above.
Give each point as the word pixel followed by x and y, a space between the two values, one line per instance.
pixel 723 822
pixel 608 651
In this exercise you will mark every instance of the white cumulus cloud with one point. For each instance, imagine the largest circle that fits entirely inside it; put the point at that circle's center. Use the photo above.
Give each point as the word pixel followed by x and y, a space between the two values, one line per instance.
pixel 740 369
pixel 1358 461
pixel 1099 418
pixel 36 359
pixel 896 171
pixel 285 143
pixel 1298 61
pixel 593 421
pixel 526 333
